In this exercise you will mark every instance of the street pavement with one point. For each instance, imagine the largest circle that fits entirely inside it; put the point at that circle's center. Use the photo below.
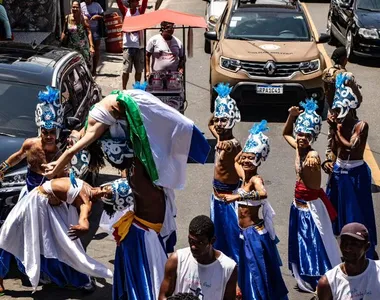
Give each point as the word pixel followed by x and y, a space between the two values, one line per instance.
pixel 278 170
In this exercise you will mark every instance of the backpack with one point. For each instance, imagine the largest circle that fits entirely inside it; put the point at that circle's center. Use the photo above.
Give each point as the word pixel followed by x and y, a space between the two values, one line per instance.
pixel 328 78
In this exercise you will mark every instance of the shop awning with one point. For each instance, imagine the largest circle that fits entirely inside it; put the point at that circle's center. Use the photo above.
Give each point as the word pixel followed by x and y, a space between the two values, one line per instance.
pixel 150 20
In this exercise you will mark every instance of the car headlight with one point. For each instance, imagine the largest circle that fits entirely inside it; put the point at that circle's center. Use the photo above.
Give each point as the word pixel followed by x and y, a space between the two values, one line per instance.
pixel 14 180
pixel 369 33
pixel 308 67
pixel 230 64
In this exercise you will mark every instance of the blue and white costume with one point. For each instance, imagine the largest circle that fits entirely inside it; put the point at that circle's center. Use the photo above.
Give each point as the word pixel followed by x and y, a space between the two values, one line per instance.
pixel 36 234
pixel 48 115
pixel 259 261
pixel 141 246
pixel 349 186
pixel 312 248
pixel 224 215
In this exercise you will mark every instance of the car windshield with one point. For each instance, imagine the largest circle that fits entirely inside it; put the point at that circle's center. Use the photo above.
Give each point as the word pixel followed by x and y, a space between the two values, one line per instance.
pixel 268 26
pixel 17 106
pixel 369 5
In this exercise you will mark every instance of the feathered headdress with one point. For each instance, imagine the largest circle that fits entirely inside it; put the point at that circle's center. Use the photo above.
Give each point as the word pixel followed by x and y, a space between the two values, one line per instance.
pixel 344 98
pixel 122 196
pixel 140 86
pixel 257 142
pixel 225 106
pixel 49 113
pixel 309 121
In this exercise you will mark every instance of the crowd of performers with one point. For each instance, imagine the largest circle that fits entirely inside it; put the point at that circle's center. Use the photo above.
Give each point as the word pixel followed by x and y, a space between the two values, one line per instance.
pixel 136 132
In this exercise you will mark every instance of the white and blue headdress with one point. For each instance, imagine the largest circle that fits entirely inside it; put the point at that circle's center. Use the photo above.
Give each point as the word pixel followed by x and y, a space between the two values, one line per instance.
pixel 140 86
pixel 257 142
pixel 309 121
pixel 49 113
pixel 344 98
pixel 225 106
pixel 122 196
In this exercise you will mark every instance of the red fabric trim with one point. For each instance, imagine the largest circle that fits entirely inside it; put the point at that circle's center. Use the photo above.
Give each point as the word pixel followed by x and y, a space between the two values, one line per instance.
pixel 302 192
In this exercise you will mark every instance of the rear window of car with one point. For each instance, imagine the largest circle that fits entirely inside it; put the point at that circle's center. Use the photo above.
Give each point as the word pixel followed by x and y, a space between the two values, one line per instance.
pixel 267 26
pixel 18 103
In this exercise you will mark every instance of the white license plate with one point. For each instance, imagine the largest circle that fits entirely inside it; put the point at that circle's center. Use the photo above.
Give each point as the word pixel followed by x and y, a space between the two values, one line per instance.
pixel 269 89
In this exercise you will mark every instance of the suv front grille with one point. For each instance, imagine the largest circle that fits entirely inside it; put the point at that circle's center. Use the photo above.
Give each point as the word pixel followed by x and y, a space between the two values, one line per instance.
pixel 259 69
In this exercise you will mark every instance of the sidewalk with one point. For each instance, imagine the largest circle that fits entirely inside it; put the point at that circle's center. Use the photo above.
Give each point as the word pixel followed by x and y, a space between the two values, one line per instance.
pixel 110 66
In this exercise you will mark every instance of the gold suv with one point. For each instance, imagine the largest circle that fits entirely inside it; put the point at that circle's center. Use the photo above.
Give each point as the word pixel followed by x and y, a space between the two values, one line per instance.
pixel 267 51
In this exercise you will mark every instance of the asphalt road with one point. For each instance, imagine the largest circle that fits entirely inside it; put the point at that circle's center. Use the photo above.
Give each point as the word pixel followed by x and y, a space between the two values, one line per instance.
pixel 278 170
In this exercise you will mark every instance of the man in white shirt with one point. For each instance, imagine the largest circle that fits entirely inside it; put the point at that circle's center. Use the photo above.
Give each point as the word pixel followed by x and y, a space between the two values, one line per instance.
pixel 133 48
pixel 357 278
pixel 200 269
pixel 166 50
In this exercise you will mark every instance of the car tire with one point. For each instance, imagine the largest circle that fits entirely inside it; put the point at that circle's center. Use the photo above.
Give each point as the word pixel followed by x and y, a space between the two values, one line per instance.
pixel 207 47
pixel 333 40
pixel 349 46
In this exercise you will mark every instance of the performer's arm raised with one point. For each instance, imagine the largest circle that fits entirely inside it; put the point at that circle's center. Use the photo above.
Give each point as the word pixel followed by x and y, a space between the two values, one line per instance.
pixel 287 132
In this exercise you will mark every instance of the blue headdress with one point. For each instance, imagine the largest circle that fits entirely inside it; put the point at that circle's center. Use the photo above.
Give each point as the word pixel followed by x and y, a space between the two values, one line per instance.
pixel 225 106
pixel 140 86
pixel 122 196
pixel 49 113
pixel 309 121
pixel 257 142
pixel 344 97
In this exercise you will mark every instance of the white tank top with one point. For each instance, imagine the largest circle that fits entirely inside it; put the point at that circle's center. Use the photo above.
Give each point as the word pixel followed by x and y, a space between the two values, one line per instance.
pixel 365 286
pixel 133 39
pixel 204 281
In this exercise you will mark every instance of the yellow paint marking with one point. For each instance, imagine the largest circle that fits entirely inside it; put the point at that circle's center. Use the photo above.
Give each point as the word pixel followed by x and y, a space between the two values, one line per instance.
pixel 368 155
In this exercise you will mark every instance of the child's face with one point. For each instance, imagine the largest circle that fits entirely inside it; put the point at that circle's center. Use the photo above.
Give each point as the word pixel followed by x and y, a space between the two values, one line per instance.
pixel 247 161
pixel 220 125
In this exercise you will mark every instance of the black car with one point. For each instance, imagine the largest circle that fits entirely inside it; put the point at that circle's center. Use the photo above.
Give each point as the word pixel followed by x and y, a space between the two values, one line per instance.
pixel 356 24
pixel 24 71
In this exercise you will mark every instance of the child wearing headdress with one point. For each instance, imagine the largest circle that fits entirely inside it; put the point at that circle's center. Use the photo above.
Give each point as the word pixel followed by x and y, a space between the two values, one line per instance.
pixel 259 263
pixel 312 249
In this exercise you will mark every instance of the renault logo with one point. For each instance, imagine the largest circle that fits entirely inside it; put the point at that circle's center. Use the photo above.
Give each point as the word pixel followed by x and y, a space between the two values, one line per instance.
pixel 270 67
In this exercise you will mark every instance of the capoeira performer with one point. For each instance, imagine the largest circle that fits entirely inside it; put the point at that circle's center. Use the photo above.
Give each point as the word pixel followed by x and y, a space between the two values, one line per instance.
pixel 159 141
pixel 38 232
pixel 259 270
pixel 312 248
pixel 226 180
pixel 41 149
pixel 349 187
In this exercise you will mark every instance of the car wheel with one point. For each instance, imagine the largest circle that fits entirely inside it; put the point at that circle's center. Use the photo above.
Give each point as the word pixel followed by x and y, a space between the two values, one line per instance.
pixel 349 46
pixel 333 41
pixel 207 46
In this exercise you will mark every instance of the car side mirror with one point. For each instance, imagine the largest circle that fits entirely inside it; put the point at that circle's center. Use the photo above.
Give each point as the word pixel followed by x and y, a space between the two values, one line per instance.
pixel 73 123
pixel 323 38
pixel 211 35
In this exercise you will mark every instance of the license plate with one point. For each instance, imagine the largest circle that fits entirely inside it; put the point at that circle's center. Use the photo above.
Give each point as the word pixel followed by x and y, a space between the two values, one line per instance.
pixel 269 89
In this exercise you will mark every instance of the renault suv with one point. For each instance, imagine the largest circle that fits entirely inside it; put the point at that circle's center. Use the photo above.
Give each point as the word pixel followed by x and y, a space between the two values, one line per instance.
pixel 267 51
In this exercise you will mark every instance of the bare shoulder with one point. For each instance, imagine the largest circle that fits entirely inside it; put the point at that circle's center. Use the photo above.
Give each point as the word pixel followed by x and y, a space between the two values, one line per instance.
pixel 172 262
pixel 30 142
pixel 257 179
pixel 323 289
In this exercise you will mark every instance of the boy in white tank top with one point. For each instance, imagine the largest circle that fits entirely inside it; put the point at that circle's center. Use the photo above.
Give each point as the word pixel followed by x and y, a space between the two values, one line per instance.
pixel 357 278
pixel 200 269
